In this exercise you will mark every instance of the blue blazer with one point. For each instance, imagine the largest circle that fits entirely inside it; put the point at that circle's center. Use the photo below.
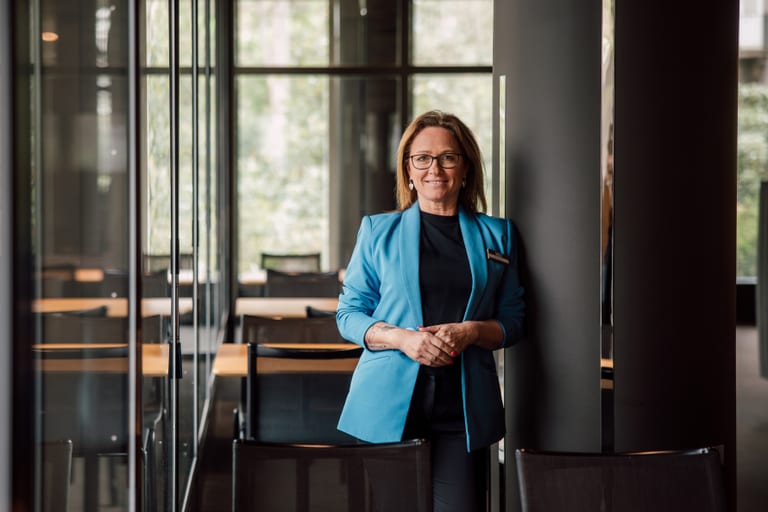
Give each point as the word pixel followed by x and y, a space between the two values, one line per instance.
pixel 381 283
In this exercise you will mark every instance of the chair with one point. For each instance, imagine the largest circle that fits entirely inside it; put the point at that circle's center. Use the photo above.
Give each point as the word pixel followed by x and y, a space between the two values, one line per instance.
pixel 98 311
pixel 115 283
pixel 302 284
pixel 155 284
pixel 155 329
pixel 296 395
pixel 667 481
pixel 155 262
pixel 152 454
pixel 332 478
pixel 306 262
pixel 55 475
pixel 260 329
pixel 319 313
pixel 87 403
pixel 83 328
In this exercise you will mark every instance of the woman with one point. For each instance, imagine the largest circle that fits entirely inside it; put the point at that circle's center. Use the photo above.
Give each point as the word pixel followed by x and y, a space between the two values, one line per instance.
pixel 430 291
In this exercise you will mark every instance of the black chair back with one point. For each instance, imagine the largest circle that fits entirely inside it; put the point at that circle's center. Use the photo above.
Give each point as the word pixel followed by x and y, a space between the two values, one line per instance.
pixel 318 313
pixel 296 395
pixel 302 284
pixel 259 329
pixel 304 262
pixel 331 478
pixel 56 475
pixel 668 481
pixel 76 328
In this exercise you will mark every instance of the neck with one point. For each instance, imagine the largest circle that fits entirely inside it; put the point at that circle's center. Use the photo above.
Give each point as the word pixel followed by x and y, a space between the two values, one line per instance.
pixel 439 208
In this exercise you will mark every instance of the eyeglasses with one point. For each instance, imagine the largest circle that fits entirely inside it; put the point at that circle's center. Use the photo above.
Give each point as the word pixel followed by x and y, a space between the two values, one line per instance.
pixel 446 160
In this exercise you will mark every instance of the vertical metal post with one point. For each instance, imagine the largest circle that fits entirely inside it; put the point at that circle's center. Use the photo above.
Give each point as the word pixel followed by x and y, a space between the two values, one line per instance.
pixel 135 473
pixel 6 240
pixel 175 343
pixel 195 229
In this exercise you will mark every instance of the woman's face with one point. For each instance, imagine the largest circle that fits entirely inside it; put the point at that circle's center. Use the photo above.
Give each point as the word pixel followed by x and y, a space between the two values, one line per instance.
pixel 437 188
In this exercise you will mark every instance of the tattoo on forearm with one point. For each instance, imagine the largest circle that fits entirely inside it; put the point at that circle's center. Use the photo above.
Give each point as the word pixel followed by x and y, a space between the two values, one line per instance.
pixel 380 327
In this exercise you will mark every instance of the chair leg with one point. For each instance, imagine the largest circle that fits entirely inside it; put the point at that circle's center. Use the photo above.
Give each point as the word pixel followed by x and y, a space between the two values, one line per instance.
pixel 91 483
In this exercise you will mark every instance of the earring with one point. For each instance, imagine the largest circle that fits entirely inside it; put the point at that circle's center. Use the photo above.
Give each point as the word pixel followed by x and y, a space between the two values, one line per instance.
pixel 410 184
pixel 464 183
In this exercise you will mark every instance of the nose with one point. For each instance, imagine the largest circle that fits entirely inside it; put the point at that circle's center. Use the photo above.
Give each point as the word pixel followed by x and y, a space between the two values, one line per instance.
pixel 435 164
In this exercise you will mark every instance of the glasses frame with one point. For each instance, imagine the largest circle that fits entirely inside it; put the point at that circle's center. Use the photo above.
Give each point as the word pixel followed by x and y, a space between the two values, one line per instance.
pixel 433 158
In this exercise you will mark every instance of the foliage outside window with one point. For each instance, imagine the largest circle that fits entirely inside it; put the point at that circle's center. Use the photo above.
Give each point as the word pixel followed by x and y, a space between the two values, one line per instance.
pixel 752 169
pixel 291 125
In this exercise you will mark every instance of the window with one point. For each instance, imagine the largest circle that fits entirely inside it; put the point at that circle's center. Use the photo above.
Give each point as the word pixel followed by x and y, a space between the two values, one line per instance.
pixel 752 134
pixel 323 91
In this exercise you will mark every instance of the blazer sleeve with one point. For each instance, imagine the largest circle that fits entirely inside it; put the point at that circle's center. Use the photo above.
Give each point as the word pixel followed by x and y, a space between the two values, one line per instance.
pixel 510 307
pixel 360 290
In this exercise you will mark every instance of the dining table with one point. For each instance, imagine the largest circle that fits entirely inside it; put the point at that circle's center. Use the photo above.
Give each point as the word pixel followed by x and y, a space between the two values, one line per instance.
pixel 231 360
pixel 99 358
pixel 116 306
pixel 283 306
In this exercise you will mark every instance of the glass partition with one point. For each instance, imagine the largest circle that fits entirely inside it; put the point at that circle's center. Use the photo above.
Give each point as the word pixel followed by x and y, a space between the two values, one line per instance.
pixel 102 256
pixel 84 315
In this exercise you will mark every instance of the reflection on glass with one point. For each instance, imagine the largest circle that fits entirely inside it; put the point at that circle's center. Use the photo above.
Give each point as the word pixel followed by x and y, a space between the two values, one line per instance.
pixel 81 344
pixel 606 228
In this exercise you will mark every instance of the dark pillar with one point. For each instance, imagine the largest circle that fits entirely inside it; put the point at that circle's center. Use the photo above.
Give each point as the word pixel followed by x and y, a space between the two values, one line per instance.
pixel 674 266
pixel 550 54
pixel 675 197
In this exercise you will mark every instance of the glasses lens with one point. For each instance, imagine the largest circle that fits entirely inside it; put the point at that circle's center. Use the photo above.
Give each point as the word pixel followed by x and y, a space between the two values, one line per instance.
pixel 448 160
pixel 421 161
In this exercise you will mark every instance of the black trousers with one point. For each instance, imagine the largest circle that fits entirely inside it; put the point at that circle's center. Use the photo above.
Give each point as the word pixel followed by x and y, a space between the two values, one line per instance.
pixel 459 478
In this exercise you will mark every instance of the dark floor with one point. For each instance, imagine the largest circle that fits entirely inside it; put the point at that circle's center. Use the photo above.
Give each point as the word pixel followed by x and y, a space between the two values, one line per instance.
pixel 751 425
pixel 214 489
pixel 215 484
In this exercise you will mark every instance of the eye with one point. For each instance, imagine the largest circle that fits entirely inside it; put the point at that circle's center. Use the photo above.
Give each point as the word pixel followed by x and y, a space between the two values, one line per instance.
pixel 422 159
pixel 448 158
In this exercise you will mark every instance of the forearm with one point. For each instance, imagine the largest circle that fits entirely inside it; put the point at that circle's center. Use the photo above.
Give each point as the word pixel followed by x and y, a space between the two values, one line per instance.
pixel 383 336
pixel 487 334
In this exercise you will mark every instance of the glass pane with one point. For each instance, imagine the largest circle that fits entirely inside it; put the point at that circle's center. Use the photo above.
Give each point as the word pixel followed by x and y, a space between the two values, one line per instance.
pixel 157 43
pixel 196 339
pixel 282 33
pixel 752 160
pixel 366 33
pixel 282 163
pixel 81 252
pixel 469 96
pixel 452 32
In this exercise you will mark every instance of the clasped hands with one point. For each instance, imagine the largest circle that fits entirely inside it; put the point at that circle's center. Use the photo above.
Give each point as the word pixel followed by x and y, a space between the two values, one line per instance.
pixel 438 345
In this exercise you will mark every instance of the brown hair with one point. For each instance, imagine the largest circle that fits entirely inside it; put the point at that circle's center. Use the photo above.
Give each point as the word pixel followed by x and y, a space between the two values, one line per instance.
pixel 472 196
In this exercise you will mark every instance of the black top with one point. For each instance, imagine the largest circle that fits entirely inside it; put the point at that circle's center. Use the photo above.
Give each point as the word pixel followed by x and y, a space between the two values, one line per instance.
pixel 444 275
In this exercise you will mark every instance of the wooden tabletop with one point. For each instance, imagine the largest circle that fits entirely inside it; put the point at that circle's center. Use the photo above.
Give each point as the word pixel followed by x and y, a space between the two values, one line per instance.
pixel 232 360
pixel 117 307
pixel 154 359
pixel 283 306
pixel 259 276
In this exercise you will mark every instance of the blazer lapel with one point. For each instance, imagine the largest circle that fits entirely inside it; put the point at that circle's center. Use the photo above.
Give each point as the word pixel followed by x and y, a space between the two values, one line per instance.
pixel 410 237
pixel 475 247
